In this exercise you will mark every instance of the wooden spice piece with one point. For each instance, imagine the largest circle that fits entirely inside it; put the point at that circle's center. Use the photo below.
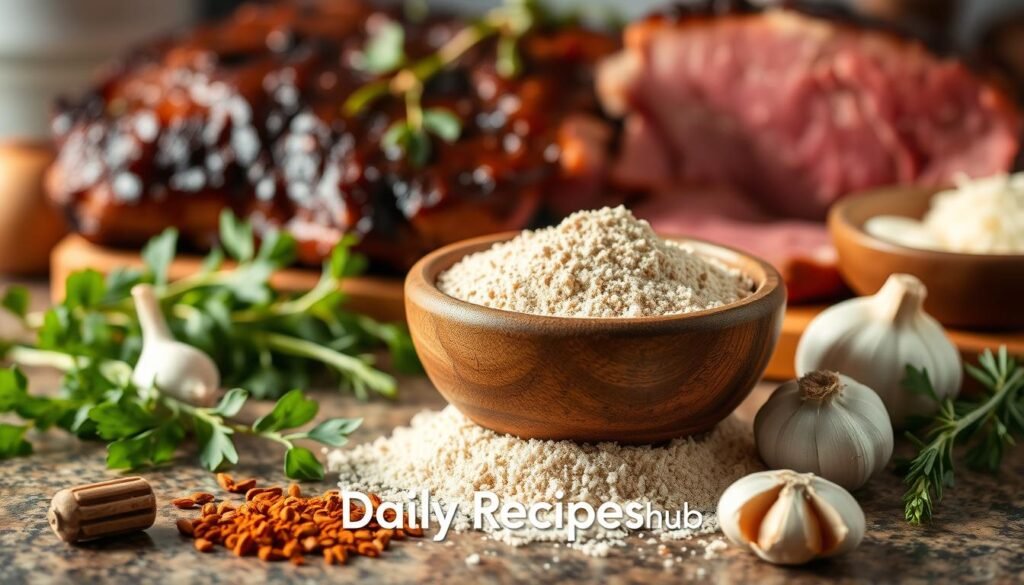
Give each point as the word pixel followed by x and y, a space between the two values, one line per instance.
pixel 107 508
pixel 275 524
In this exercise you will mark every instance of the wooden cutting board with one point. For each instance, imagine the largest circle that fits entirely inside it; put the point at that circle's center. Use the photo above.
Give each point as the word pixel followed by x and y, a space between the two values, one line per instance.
pixel 381 298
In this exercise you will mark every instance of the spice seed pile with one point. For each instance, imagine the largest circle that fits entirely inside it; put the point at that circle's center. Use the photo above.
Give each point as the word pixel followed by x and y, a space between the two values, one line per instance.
pixel 275 525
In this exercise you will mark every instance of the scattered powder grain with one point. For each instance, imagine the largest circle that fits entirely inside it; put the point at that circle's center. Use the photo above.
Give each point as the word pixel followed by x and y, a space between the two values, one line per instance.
pixel 603 263
pixel 452 457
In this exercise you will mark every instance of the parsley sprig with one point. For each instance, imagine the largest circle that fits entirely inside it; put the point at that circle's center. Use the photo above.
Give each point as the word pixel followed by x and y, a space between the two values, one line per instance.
pixel 146 427
pixel 262 340
pixel 986 425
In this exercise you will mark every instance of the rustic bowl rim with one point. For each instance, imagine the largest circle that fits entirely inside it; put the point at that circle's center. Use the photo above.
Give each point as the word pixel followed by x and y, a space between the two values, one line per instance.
pixel 839 219
pixel 759 303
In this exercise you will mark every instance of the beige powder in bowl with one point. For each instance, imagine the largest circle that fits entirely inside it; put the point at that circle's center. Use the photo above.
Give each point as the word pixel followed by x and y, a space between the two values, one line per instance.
pixel 603 263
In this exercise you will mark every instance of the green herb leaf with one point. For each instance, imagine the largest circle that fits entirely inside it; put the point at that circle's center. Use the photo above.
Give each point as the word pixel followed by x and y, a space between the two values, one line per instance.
pixel 277 248
pixel 84 288
pixel 384 51
pixel 231 403
pixel 158 254
pixel 120 282
pixel 401 139
pixel 165 441
pixel 117 420
pixel 291 410
pixel 917 381
pixel 236 237
pixel 130 452
pixel 213 261
pixel 442 123
pixel 12 388
pixel 300 463
pixel 15 300
pixel 13 443
pixel 333 431
pixel 216 450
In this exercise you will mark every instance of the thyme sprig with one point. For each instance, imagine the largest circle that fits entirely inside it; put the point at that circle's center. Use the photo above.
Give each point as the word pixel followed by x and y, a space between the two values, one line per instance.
pixel 405 79
pixel 987 426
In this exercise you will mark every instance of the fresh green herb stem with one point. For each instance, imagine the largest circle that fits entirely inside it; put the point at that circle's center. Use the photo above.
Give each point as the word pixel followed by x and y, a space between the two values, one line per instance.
pixel 41 358
pixel 355 367
pixel 988 425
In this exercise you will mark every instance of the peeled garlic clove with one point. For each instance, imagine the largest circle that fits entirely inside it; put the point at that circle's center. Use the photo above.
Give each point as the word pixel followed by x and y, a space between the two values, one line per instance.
pixel 790 518
pixel 174 368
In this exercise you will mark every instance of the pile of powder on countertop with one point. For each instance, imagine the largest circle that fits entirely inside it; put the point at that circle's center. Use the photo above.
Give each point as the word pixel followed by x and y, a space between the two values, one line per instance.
pixel 452 457
pixel 603 263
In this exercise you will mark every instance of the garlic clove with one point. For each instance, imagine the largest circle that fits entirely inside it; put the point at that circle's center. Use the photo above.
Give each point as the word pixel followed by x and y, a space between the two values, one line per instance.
pixel 790 518
pixel 174 368
pixel 790 533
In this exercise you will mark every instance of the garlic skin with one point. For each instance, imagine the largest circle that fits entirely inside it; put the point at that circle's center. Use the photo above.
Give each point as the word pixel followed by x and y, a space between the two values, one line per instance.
pixel 790 518
pixel 826 424
pixel 873 339
pixel 174 368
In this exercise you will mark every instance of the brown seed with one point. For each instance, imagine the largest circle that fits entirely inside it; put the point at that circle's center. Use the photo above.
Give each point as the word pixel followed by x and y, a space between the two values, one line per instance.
pixel 225 481
pixel 294 490
pixel 231 541
pixel 244 545
pixel 328 556
pixel 368 549
pixel 363 535
pixel 309 544
pixel 185 527
pixel 243 486
pixel 224 507
pixel 209 509
pixel 251 493
pixel 183 503
pixel 203 545
pixel 201 498
pixel 264 552
pixel 340 555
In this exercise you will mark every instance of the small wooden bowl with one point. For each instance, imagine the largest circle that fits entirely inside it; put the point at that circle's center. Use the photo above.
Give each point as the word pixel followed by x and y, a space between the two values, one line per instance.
pixel 971 291
pixel 631 380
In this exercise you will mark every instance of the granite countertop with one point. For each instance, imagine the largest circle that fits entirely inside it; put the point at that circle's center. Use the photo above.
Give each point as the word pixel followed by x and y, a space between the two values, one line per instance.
pixel 977 537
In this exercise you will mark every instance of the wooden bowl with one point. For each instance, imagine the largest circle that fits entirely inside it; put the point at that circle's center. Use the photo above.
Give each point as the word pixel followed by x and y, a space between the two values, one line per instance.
pixel 971 291
pixel 631 380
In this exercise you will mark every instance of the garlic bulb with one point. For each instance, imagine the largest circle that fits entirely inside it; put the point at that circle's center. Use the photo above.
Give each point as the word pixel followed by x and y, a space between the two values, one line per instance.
pixel 173 367
pixel 790 518
pixel 826 424
pixel 873 339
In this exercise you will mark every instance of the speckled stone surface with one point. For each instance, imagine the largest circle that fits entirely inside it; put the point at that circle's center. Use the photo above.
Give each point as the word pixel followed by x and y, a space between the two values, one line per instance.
pixel 978 536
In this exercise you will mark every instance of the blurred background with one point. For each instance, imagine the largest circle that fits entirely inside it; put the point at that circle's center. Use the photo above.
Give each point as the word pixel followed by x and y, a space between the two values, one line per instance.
pixel 50 48
pixel 53 47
